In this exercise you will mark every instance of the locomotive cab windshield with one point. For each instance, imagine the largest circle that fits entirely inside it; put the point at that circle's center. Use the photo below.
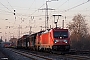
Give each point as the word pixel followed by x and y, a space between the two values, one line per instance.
pixel 60 34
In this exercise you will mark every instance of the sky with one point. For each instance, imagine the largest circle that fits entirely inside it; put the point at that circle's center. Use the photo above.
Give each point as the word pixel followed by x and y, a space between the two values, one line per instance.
pixel 28 13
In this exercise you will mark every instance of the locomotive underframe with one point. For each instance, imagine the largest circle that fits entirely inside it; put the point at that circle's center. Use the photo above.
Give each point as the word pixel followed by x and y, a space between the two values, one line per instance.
pixel 61 47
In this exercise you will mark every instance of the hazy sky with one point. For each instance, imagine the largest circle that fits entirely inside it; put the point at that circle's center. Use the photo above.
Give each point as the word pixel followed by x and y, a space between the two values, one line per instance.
pixel 28 13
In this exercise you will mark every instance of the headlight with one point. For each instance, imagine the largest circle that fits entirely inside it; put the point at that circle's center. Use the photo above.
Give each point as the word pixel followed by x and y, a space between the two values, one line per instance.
pixel 65 41
pixel 55 41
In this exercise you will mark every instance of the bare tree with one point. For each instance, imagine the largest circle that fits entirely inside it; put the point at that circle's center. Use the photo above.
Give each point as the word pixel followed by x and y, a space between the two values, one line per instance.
pixel 79 32
pixel 78 27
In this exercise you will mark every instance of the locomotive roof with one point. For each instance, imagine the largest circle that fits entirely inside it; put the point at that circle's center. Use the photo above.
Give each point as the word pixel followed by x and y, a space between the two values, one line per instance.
pixel 36 33
pixel 25 36
pixel 58 28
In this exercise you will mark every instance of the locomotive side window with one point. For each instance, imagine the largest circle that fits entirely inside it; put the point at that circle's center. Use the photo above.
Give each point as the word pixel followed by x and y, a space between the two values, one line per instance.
pixel 60 34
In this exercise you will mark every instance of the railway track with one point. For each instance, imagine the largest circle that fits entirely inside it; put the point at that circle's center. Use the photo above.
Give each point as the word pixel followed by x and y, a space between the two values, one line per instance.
pixel 48 56
pixel 78 57
pixel 31 55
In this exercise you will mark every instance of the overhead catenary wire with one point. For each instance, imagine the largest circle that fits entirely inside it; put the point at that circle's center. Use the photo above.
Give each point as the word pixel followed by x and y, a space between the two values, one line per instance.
pixel 75 6
pixel 63 3
pixel 59 6
pixel 10 4
pixel 6 7
pixel 9 10
pixel 35 11
pixel 72 7
pixel 5 11
pixel 13 12
pixel 31 5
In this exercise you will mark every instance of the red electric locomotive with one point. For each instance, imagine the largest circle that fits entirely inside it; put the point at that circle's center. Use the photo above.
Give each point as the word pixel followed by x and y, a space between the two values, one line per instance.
pixel 53 39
